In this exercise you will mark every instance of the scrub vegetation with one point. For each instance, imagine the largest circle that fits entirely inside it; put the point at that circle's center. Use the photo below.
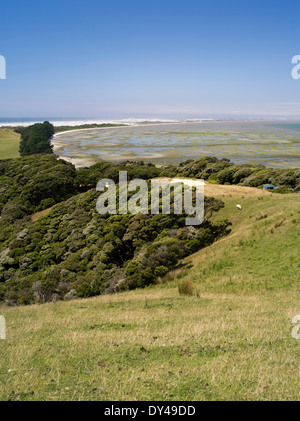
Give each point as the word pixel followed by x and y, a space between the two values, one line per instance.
pixel 229 339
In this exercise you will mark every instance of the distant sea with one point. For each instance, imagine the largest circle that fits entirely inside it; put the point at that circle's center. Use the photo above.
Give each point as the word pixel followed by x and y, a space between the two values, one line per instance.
pixel 289 126
pixel 24 121
pixel 27 121
pixel 77 121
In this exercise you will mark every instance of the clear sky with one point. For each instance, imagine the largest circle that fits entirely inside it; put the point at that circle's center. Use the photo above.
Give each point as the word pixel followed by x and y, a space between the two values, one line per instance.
pixel 138 58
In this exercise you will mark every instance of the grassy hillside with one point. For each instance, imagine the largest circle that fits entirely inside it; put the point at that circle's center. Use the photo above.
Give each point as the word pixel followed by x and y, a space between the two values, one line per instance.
pixel 9 144
pixel 229 340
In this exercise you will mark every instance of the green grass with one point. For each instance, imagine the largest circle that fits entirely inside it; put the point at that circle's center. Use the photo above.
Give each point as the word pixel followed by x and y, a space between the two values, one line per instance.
pixel 231 342
pixel 262 254
pixel 9 144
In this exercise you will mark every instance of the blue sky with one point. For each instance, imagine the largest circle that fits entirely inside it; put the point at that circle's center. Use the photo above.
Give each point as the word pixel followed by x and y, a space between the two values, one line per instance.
pixel 167 58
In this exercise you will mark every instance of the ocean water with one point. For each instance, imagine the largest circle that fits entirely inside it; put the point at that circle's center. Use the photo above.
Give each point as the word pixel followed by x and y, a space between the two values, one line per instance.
pixel 291 126
pixel 271 143
pixel 27 121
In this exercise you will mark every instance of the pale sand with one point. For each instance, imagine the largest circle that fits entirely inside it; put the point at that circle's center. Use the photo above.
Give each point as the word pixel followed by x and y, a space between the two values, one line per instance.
pixel 219 189
pixel 117 126
pixel 85 162
pixel 79 162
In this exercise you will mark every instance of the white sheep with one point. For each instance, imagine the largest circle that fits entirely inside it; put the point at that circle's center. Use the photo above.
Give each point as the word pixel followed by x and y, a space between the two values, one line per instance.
pixel 239 207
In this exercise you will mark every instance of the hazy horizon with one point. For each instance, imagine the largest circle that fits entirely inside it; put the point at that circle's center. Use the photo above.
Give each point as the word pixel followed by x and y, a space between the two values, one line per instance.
pixel 139 118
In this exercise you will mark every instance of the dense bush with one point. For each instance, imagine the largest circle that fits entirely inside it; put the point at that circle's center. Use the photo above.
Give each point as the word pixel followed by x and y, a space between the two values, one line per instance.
pixel 90 176
pixel 74 251
pixel 35 139
pixel 225 172
pixel 34 183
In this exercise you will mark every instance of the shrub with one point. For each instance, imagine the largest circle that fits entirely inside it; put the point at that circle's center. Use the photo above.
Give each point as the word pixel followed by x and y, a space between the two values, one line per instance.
pixel 160 271
pixel 227 175
pixel 241 174
pixel 186 287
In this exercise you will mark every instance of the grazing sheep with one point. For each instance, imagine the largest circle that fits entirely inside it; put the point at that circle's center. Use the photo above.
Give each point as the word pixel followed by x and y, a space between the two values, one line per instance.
pixel 239 207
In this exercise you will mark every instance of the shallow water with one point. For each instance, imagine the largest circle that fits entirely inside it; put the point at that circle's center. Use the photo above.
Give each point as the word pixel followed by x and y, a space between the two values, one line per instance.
pixel 271 143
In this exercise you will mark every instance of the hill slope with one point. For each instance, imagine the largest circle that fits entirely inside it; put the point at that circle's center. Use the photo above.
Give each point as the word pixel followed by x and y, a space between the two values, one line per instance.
pixel 232 341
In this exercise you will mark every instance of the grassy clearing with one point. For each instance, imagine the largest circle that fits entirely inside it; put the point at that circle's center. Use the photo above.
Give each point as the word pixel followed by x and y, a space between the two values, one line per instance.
pixel 36 216
pixel 9 144
pixel 230 341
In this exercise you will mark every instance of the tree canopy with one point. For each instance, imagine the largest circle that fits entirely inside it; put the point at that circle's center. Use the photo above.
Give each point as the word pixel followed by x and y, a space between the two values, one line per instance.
pixel 36 139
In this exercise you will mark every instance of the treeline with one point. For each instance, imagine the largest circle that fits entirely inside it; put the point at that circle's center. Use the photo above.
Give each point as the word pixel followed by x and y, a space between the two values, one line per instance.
pixel 33 183
pixel 35 139
pixel 37 182
pixel 60 129
pixel 222 171
pixel 212 169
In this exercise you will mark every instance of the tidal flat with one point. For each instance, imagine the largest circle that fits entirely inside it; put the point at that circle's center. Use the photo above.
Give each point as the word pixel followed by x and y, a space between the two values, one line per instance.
pixel 271 143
